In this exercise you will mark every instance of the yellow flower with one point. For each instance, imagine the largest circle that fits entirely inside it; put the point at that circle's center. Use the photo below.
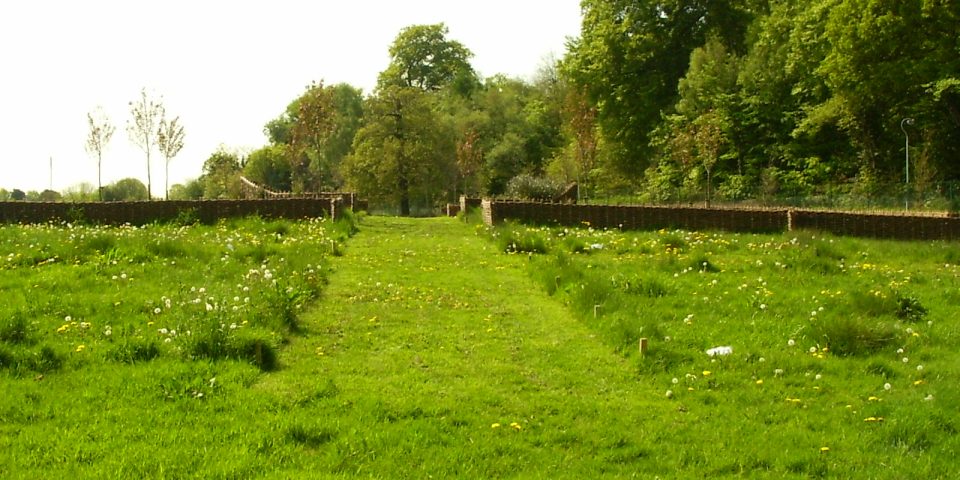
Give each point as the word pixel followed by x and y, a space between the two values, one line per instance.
pixel 760 382
pixel 516 425
pixel 919 382
pixel 495 425
pixel 80 348
pixel 706 373
pixel 873 399
pixel 824 449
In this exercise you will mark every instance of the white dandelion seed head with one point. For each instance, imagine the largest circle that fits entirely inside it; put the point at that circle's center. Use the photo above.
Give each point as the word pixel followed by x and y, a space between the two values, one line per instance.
pixel 906 360
pixel 919 368
pixel 791 342
pixel 887 386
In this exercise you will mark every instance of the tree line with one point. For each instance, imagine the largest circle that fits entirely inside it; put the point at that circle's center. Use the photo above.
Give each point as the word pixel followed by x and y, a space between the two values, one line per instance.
pixel 659 101
pixel 656 100
pixel 773 98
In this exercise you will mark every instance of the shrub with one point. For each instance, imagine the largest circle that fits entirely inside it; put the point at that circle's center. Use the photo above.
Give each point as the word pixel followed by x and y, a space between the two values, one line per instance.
pixel 530 187
pixel 910 309
pixel 187 216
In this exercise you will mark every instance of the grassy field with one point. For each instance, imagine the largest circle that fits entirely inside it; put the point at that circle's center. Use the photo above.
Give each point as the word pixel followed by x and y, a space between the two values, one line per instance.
pixel 438 348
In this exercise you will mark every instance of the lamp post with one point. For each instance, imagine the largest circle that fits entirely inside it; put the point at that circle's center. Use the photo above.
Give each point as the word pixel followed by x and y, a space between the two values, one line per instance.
pixel 903 123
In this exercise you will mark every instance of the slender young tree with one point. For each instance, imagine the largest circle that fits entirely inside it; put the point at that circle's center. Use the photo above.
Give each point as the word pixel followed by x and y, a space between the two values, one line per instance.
pixel 143 127
pixel 101 131
pixel 169 141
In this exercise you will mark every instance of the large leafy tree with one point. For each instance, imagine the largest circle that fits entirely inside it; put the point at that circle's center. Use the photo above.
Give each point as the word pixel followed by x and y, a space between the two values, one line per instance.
pixel 406 149
pixel 884 58
pixel 632 53
pixel 423 57
pixel 221 175
pixel 317 130
pixel 269 167
pixel 313 126
pixel 125 190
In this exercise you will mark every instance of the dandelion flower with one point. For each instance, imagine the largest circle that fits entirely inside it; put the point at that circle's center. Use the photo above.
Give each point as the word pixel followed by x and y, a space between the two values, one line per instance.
pixel 824 449
pixel 157 311
pixel 791 343
pixel 813 349
pixel 906 360
pixel 80 348
pixel 675 380
pixel 516 425
pixel 706 373
pixel 495 425
pixel 760 382
pixel 669 394
pixel 887 386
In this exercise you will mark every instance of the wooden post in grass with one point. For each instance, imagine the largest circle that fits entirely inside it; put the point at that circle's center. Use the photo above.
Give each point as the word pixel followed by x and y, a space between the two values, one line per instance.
pixel 643 347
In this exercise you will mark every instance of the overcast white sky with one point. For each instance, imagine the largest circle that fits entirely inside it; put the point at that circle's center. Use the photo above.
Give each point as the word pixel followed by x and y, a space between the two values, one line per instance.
pixel 224 67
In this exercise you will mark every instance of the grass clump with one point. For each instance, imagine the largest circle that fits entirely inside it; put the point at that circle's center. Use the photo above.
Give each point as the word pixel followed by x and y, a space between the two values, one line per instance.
pixel 519 239
pixel 15 329
pixel 854 336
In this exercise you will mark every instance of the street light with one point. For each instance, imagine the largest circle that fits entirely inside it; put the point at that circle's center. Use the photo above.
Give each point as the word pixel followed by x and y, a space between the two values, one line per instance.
pixel 907 121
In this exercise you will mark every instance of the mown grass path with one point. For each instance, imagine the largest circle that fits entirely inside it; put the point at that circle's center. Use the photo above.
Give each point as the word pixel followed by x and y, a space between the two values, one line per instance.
pixel 431 354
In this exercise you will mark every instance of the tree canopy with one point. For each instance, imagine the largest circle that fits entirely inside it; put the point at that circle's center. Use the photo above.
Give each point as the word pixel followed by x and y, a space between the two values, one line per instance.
pixel 665 100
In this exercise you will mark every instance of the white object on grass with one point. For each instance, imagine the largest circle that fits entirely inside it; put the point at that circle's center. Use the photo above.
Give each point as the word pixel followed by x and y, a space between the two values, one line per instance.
pixel 720 351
